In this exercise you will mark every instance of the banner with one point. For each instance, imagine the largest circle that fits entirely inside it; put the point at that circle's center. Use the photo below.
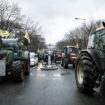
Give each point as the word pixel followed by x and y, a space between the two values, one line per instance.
pixel 4 34
pixel 26 36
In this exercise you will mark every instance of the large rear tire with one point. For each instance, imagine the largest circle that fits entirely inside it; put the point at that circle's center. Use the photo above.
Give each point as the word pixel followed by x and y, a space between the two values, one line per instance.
pixel 17 71
pixel 86 74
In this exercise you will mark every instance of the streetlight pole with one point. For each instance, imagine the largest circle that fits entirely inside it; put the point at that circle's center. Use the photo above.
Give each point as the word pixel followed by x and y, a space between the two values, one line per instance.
pixel 83 19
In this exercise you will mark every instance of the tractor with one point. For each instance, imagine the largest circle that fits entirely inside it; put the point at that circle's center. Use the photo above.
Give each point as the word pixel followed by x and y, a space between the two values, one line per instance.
pixel 14 60
pixel 90 64
pixel 70 55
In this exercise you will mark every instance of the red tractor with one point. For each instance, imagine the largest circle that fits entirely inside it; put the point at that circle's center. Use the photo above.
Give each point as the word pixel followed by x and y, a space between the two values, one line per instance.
pixel 70 55
pixel 57 55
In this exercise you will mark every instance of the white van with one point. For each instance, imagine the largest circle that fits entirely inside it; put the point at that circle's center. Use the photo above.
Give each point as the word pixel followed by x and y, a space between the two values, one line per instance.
pixel 33 59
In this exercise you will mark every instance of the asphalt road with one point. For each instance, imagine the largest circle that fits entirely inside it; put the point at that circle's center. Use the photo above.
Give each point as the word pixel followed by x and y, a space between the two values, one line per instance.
pixel 56 87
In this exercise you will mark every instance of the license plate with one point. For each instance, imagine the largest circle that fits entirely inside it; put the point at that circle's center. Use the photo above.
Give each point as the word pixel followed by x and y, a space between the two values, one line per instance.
pixel 2 68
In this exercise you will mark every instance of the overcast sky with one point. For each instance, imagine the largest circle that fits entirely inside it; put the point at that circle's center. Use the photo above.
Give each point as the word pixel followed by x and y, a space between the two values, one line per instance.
pixel 57 16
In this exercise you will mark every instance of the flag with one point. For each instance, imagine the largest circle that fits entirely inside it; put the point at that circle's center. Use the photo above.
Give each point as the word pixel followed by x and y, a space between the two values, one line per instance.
pixel 26 36
pixel 4 34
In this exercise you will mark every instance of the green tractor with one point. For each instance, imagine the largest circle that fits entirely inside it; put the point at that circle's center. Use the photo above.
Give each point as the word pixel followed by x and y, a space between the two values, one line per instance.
pixel 14 61
pixel 90 64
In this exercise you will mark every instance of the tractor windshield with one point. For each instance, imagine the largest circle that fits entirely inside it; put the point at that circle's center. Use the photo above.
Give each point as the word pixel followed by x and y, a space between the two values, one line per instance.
pixel 100 40
pixel 97 40
pixel 71 50
pixel 91 41
pixel 58 52
pixel 9 43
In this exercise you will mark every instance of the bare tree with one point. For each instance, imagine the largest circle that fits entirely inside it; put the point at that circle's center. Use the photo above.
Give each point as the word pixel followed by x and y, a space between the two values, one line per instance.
pixel 11 19
pixel 9 13
pixel 80 34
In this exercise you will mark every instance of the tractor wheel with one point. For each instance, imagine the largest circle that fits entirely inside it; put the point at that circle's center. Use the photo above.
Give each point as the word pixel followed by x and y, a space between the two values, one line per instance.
pixel 18 71
pixel 65 64
pixel 61 62
pixel 27 72
pixel 86 74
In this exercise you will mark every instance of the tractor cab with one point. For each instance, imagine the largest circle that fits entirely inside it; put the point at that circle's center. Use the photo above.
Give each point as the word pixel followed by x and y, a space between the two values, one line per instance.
pixel 11 44
pixel 97 40
pixel 70 55
pixel 14 61
pixel 15 46
pixel 70 51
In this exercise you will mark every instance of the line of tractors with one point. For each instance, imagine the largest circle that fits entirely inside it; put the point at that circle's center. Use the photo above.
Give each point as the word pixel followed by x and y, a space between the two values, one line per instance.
pixel 89 63
pixel 14 60
pixel 66 56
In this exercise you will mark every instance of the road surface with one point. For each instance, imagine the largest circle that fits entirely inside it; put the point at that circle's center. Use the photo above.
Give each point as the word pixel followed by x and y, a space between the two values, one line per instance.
pixel 54 87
